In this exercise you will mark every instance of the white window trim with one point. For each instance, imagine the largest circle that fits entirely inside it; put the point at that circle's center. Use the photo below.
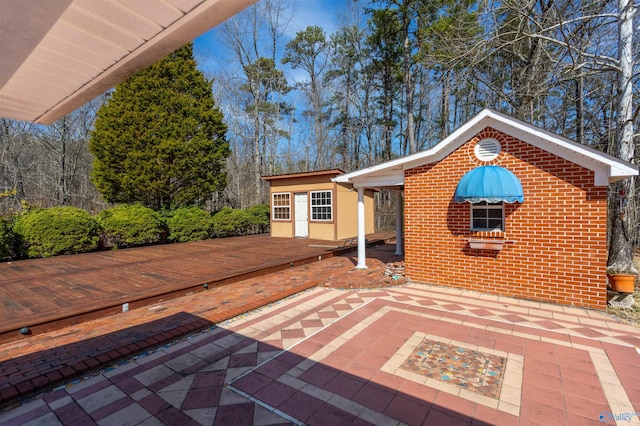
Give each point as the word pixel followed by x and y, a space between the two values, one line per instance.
pixel 477 206
pixel 329 205
pixel 273 206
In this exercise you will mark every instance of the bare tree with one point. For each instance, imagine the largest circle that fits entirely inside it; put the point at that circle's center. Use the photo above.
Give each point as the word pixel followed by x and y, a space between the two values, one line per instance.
pixel 253 37
pixel 351 90
pixel 15 161
pixel 49 165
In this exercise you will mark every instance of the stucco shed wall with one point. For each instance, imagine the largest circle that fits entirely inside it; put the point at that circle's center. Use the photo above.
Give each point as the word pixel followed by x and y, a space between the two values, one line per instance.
pixel 345 208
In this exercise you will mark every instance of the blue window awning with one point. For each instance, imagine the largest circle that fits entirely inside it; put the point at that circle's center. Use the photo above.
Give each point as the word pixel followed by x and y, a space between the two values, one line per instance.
pixel 492 184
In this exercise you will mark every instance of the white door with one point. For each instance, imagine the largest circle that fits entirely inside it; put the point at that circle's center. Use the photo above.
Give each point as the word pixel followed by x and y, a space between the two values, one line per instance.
pixel 301 215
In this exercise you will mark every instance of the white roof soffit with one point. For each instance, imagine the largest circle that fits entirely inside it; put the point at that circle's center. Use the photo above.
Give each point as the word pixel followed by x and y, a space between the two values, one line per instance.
pixel 607 169
pixel 59 54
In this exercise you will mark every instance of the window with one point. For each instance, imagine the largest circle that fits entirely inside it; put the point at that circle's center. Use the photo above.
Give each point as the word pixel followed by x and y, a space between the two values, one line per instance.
pixel 487 216
pixel 321 208
pixel 281 206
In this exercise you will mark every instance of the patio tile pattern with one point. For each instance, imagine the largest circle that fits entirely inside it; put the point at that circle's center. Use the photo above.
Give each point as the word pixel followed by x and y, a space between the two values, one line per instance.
pixel 458 365
pixel 335 357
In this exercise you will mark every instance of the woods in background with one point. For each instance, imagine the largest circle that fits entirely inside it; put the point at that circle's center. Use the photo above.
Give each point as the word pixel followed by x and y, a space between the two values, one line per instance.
pixel 398 76
pixel 395 77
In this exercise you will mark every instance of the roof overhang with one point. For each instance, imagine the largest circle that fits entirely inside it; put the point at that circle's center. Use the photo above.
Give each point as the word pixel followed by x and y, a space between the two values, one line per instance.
pixel 330 172
pixel 607 169
pixel 59 54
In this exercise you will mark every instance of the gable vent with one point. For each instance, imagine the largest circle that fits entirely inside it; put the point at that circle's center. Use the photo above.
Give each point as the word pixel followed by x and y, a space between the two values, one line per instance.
pixel 487 149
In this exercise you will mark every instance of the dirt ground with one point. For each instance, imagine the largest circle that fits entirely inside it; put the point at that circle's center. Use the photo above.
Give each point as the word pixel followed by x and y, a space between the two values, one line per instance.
pixel 384 269
pixel 631 315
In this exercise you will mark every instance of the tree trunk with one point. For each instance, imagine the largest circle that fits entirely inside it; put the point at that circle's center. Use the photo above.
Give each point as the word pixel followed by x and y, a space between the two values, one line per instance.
pixel 257 157
pixel 408 87
pixel 621 244
pixel 64 184
pixel 444 105
pixel 580 108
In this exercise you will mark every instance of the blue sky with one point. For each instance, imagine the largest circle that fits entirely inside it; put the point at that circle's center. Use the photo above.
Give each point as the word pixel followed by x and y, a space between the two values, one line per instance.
pixel 327 14
pixel 324 13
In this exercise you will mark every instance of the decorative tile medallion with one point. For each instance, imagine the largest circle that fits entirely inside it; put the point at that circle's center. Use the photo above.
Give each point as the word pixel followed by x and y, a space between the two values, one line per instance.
pixel 457 365
pixel 481 375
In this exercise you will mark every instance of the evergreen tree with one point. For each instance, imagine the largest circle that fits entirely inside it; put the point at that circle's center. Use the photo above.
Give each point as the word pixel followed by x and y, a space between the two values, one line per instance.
pixel 308 51
pixel 160 140
pixel 385 44
pixel 265 86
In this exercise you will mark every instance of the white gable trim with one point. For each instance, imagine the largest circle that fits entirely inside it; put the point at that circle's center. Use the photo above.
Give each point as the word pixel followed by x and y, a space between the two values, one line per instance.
pixel 606 168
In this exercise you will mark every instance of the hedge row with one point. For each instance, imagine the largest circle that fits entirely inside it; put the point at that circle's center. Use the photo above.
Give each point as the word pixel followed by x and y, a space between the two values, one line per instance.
pixel 67 230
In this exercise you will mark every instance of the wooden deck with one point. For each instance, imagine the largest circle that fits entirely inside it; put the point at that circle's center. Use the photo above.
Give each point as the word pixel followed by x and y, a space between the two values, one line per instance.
pixel 45 294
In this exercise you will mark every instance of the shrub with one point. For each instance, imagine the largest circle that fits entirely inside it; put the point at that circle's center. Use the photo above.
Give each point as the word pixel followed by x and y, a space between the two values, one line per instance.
pixel 259 217
pixel 57 230
pixel 8 240
pixel 129 225
pixel 189 224
pixel 228 222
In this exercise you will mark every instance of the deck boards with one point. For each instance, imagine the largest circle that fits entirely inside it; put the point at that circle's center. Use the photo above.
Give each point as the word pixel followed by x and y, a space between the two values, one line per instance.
pixel 38 291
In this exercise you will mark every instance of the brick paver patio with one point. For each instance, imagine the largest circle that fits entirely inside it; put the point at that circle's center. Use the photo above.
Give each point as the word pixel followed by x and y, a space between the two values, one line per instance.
pixel 46 294
pixel 333 357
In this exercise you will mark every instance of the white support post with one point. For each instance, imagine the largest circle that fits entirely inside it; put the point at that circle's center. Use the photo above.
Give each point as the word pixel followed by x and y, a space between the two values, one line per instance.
pixel 362 254
pixel 399 237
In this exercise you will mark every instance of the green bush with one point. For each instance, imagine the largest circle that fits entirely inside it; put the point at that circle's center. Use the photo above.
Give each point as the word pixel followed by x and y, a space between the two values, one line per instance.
pixel 129 225
pixel 189 224
pixel 259 217
pixel 8 240
pixel 57 230
pixel 228 222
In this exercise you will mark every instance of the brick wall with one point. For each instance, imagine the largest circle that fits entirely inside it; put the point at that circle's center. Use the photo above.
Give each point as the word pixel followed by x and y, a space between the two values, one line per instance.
pixel 558 249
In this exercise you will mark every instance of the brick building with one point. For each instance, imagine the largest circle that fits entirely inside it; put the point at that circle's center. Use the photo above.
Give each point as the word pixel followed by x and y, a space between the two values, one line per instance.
pixel 504 207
